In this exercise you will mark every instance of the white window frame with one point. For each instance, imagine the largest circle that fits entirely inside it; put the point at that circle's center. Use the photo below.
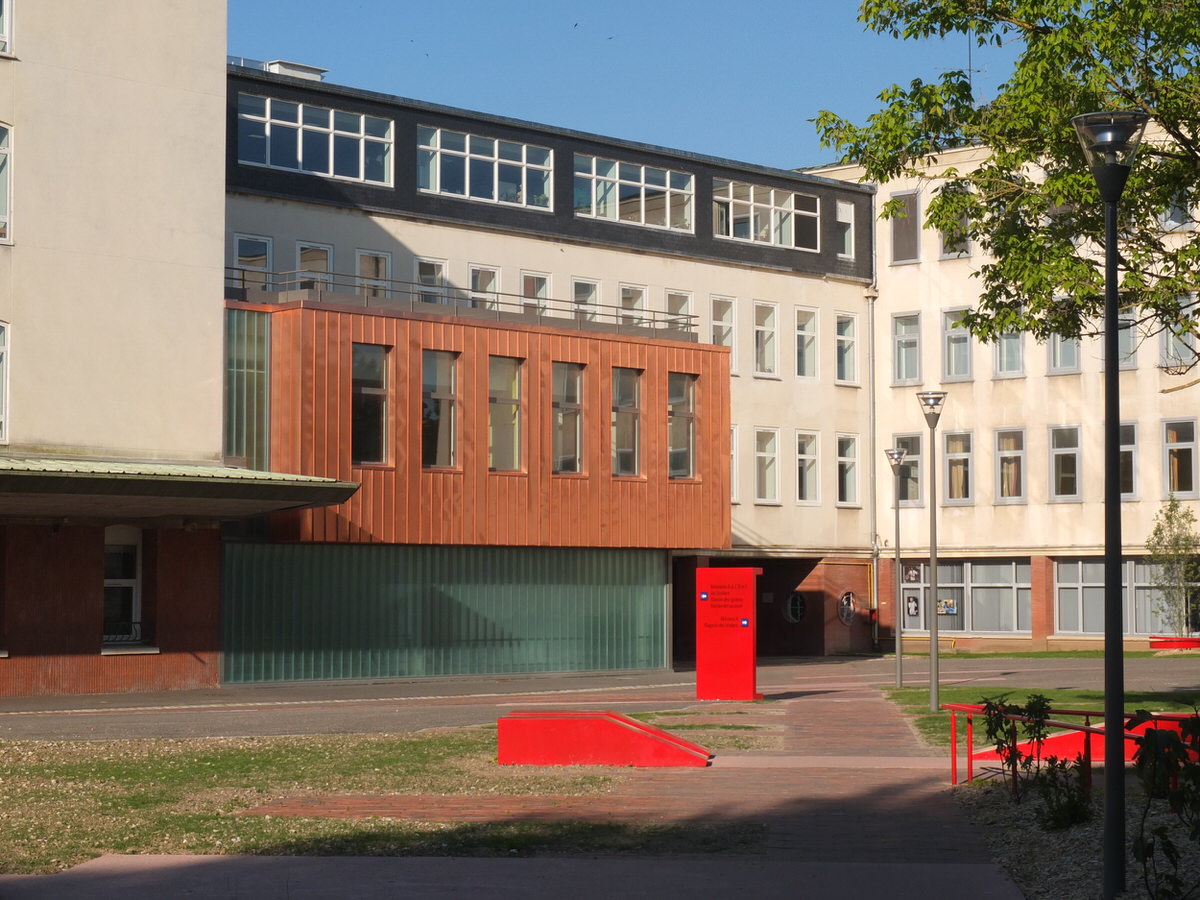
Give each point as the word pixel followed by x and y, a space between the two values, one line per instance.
pixel 1130 447
pixel 766 467
pixel 729 326
pixel 1020 455
pixel 6 185
pixel 912 219
pixel 679 305
pixel 434 288
pixel 949 459
pixel 847 470
pixel 1055 454
pixel 431 151
pixel 483 298
pixel 766 339
pixel 846 346
pixel 1057 362
pixel 303 275
pixel 371 285
pixel 1003 367
pixel 5 343
pixel 632 298
pixel 1170 447
pixel 267 269
pixel 6 28
pixel 770 214
pixel 954 333
pixel 845 229
pixel 1177 350
pixel 1127 340
pixel 914 445
pixel 585 308
pixel 541 294
pixel 808 468
pixel 902 344
pixel 808 343
pixel 610 186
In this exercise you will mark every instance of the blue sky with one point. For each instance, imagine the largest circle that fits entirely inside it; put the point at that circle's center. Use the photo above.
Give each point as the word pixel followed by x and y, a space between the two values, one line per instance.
pixel 734 80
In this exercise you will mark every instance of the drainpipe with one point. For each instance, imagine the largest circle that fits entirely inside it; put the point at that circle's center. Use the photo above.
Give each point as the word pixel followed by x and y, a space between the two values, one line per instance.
pixel 871 294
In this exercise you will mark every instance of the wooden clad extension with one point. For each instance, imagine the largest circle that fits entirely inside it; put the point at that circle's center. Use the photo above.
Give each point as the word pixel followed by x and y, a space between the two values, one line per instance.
pixel 401 502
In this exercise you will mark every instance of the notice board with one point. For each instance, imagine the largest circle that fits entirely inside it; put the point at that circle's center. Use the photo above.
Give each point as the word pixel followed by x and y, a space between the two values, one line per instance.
pixel 725 634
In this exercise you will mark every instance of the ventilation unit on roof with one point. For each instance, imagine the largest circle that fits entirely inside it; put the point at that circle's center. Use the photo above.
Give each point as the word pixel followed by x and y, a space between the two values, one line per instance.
pixel 296 70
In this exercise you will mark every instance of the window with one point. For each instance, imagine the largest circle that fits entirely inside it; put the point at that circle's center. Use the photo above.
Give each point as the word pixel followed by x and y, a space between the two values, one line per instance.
pixel 5 26
pixel 806 343
pixel 958 245
pixel 1064 354
pixel 765 352
pixel 535 286
pixel 368 404
pixel 633 297
pixel 1179 444
pixel 632 193
pixel 679 307
pixel 723 327
pixel 431 276
pixel 122 585
pixel 807 472
pixel 314 265
pixel 1178 349
pixel 252 255
pixel 626 424
pixel 1010 466
pixel 906 349
pixel 1064 463
pixel 1080 595
pixel 681 425
pixel 960 482
pixel 504 414
pixel 483 169
pixel 847 469
pixel 1009 358
pixel 844 230
pixel 5 173
pixel 847 361
pixel 906 229
pixel 438 413
pixel 766 465
pixel 3 383
pixel 999 595
pixel 910 469
pixel 1176 216
pixel 956 347
pixel 374 273
pixel 567 406
pixel 1127 340
pixel 301 137
pixel 586 294
pixel 1128 467
pixel 750 212
pixel 485 286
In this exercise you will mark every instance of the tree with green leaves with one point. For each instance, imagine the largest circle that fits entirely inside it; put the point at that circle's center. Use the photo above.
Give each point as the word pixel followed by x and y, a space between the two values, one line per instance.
pixel 1173 545
pixel 1032 205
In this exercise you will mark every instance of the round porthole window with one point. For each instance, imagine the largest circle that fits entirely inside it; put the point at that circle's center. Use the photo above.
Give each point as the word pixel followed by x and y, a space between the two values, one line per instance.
pixel 795 607
pixel 847 606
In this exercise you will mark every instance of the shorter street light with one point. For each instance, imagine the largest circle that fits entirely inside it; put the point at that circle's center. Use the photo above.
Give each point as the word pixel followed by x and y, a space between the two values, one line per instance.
pixel 931 406
pixel 895 457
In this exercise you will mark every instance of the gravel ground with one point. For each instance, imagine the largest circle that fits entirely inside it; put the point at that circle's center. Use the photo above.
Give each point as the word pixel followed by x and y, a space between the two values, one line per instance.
pixel 1067 865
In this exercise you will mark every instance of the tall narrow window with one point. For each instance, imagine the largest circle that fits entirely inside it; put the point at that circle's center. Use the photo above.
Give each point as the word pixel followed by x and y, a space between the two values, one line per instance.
pixel 679 307
pixel 633 297
pixel 960 485
pixel 844 231
pixel 568 417
pixel 765 353
pixel 1010 360
pixel 681 425
pixel 847 469
pixel 1179 442
pixel 807 470
pixel 1178 349
pixel 5 173
pixel 1010 466
pixel 374 273
pixel 723 327
pixel 431 276
pixel 438 409
pixel 504 414
pixel 3 383
pixel 806 343
pixel 766 465
pixel 122 585
pixel 906 349
pixel 847 358
pixel 485 287
pixel 1064 463
pixel 368 405
pixel 1127 340
pixel 586 294
pixel 626 421
pixel 906 230
pixel 253 259
pixel 1064 354
pixel 5 26
pixel 956 347
pixel 910 471
pixel 314 265
pixel 1128 438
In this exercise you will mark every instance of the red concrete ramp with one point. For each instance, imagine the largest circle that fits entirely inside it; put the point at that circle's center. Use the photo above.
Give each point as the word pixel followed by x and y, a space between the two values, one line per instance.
pixel 1069 744
pixel 589 738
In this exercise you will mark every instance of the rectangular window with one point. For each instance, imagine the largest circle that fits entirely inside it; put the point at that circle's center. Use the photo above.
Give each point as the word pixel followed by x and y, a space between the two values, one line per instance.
pixel 723 327
pixel 1064 463
pixel 1178 351
pixel 374 273
pixel 633 297
pixel 847 469
pixel 806 343
pixel 632 193
pixel 1128 438
pixel 956 347
pixel 681 425
pixel 906 229
pixel 485 287
pixel 765 352
pixel 626 421
pixel 368 405
pixel 1179 444
pixel 679 307
pixel 906 349
pixel 847 358
pixel 1064 354
pixel 766 465
pixel 1000 595
pixel 808 485
pixel 314 265
pixel 750 212
pixel 252 256
pixel 504 414
pixel 1080 594
pixel 483 169
pixel 5 174
pixel 1010 466
pixel 586 294
pixel 431 278
pixel 122 585
pixel 302 137
pixel 844 232
pixel 960 481
pixel 567 405
pixel 5 26
pixel 438 409
pixel 910 470
pixel 1127 340
pixel 535 289
pixel 1010 361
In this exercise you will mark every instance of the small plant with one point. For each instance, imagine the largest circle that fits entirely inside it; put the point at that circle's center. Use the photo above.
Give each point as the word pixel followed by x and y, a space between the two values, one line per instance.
pixel 1062 787
pixel 1167 763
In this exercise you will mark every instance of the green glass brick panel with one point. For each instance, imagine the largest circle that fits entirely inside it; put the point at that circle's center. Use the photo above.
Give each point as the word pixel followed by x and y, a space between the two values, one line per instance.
pixel 322 611
pixel 247 385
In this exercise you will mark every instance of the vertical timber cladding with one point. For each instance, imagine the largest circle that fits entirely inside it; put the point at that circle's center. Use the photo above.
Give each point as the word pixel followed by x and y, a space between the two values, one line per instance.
pixel 327 611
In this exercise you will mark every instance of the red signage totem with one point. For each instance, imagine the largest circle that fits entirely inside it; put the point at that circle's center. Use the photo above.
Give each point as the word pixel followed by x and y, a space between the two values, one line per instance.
pixel 725 634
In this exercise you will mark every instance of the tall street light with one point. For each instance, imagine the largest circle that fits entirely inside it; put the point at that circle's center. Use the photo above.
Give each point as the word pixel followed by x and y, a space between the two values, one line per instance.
pixel 931 406
pixel 1110 140
pixel 895 457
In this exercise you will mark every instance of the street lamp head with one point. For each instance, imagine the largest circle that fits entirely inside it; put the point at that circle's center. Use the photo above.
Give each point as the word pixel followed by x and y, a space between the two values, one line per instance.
pixel 1110 140
pixel 931 405
pixel 895 456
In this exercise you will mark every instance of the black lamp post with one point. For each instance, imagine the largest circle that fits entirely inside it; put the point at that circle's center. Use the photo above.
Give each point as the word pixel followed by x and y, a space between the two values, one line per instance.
pixel 895 457
pixel 931 406
pixel 1110 140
